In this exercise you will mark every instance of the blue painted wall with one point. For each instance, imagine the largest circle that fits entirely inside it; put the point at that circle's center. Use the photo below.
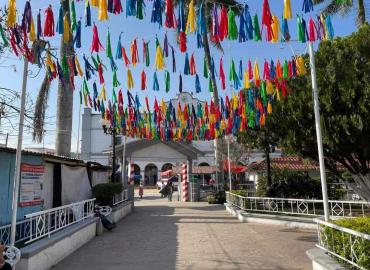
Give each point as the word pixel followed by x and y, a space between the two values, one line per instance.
pixel 7 163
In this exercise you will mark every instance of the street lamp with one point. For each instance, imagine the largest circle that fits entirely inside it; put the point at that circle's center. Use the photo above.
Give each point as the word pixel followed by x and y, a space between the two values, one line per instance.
pixel 113 132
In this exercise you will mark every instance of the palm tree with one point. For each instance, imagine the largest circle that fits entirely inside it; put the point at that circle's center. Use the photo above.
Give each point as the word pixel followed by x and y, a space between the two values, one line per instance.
pixel 344 7
pixel 64 102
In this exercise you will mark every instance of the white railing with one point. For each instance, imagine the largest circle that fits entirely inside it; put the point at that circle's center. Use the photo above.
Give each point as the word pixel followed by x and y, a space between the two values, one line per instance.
pixel 299 206
pixel 343 243
pixel 120 198
pixel 22 232
pixel 44 223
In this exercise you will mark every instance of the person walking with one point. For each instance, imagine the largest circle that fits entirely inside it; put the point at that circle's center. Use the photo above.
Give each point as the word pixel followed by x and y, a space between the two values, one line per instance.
pixel 141 190
pixel 170 190
pixel 161 187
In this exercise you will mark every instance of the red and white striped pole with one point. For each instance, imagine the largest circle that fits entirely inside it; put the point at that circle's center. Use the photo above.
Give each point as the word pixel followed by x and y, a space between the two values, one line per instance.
pixel 185 195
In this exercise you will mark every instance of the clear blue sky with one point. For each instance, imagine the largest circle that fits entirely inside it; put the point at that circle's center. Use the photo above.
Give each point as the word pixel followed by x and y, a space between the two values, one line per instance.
pixel 133 28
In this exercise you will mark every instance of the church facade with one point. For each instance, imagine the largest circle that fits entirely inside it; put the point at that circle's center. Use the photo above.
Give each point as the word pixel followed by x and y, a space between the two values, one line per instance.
pixel 150 158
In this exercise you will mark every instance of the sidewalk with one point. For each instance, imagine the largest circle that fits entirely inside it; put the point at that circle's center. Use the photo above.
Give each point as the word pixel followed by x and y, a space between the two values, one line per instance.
pixel 171 235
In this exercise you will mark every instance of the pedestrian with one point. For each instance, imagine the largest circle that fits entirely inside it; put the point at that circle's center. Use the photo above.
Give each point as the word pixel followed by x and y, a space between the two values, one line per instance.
pixel 141 190
pixel 3 264
pixel 161 187
pixel 106 223
pixel 170 190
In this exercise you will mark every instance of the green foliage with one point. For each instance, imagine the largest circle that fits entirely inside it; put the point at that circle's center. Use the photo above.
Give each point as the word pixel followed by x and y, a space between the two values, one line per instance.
pixel 343 68
pixel 340 243
pixel 104 192
pixel 292 184
pixel 218 197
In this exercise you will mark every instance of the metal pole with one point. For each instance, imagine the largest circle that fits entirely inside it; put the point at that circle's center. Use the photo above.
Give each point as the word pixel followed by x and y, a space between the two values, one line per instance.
pixel 114 155
pixel 18 155
pixel 228 160
pixel 123 172
pixel 188 179
pixel 318 132
pixel 6 139
pixel 78 133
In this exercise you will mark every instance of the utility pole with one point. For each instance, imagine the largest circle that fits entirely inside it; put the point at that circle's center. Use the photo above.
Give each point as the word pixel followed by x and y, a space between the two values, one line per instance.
pixel 318 132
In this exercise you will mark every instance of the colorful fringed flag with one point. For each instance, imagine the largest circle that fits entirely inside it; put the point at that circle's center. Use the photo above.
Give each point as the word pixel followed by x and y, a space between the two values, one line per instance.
pixel 67 30
pixel 130 80
pixel 140 9
pixel 287 10
pixel 146 57
pixel 12 13
pixel 103 11
pixel 267 20
pixel 125 57
pixel 167 81
pixel 159 63
pixel 248 23
pixel 134 53
pixel 117 7
pixel 119 48
pixel 96 45
pixel 307 6
pixel 60 24
pixel 215 33
pixel 222 75
pixel 155 82
pixel 108 46
pixel 187 65
pixel 181 27
pixel 157 12
pixel 130 8
pixel 77 38
pixel 256 29
pixel 232 32
pixel 143 80
pixel 202 28
pixel 49 22
pixel 165 46
pixel 73 16
pixel 198 88
pixel 223 23
pixel 193 69
pixel 275 29
pixel 191 22
pixel 87 14
pixel 285 35
pixel 170 16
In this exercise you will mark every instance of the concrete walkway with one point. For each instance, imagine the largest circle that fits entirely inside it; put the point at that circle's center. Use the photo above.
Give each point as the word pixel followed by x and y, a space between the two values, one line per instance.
pixel 169 235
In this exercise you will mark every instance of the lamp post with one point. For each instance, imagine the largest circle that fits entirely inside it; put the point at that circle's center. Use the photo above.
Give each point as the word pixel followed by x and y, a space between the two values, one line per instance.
pixel 111 131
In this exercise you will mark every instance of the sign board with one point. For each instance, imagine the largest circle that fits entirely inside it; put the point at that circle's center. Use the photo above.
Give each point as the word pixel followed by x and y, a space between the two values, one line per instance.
pixel 32 178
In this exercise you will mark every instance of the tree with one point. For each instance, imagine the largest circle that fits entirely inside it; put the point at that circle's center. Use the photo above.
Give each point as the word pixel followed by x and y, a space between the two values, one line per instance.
pixel 343 68
pixel 344 7
pixel 263 138
pixel 65 98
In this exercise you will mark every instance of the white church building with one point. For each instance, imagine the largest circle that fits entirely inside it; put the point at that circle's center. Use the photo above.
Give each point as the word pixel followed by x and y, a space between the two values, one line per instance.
pixel 150 158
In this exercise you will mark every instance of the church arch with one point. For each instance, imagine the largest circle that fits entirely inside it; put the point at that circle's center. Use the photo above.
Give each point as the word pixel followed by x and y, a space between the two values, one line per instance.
pixel 151 174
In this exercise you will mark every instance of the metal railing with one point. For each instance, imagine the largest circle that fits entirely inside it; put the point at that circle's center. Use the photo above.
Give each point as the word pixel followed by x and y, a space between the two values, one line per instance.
pixel 44 223
pixel 343 243
pixel 22 232
pixel 306 207
pixel 120 198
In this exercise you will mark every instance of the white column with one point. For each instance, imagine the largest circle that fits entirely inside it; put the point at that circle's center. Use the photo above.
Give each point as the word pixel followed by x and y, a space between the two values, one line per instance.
pixel 318 132
pixel 18 156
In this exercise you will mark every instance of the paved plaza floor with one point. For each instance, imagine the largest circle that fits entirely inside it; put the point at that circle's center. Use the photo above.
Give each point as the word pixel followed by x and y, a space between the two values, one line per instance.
pixel 170 235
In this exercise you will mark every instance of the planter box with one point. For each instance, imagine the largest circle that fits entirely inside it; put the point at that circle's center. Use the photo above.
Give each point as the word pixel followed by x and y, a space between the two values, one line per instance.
pixel 45 253
pixel 322 261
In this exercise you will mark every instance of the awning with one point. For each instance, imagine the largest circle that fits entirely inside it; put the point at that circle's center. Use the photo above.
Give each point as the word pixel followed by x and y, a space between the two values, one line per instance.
pixel 235 168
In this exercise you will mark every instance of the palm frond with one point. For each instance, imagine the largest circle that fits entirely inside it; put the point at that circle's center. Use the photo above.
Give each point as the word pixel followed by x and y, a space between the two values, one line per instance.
pixel 40 109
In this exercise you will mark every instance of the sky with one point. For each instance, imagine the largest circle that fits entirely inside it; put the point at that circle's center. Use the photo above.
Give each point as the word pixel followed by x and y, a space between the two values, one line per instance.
pixel 132 28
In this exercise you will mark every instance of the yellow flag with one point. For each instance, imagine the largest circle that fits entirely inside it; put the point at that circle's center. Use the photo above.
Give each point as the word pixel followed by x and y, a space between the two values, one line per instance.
pixel 67 30
pixel 78 66
pixel 159 64
pixel 191 22
pixel 95 3
pixel 103 11
pixel 287 10
pixel 275 29
pixel 32 31
pixel 256 71
pixel 12 13
pixel 246 80
pixel 130 81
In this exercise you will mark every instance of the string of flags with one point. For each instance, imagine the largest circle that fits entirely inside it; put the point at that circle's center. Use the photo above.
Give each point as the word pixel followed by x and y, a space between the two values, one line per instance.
pixel 167 121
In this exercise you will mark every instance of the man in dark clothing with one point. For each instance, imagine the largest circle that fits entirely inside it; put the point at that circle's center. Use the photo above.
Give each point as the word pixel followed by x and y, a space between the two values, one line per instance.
pixel 3 264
